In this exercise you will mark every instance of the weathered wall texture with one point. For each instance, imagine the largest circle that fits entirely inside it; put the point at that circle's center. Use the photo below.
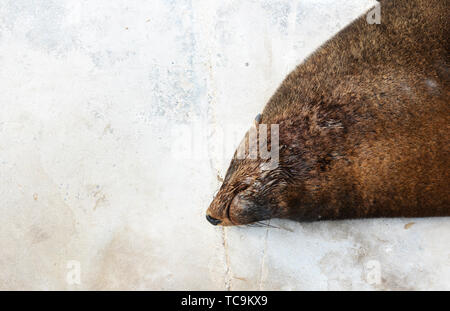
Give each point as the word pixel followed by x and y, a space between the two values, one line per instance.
pixel 97 99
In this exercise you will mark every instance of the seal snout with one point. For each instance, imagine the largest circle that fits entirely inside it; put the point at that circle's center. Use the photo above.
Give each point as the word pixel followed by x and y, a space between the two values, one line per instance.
pixel 213 220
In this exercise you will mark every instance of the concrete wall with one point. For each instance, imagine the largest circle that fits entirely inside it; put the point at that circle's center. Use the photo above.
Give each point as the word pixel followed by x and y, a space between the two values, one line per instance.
pixel 117 119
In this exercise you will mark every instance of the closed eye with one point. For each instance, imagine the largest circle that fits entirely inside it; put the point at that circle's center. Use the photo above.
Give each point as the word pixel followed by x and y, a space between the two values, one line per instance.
pixel 236 190
pixel 231 169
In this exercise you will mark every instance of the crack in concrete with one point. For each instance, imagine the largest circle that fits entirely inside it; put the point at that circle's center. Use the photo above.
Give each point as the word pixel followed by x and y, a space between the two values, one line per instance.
pixel 228 272
pixel 263 259
pixel 207 19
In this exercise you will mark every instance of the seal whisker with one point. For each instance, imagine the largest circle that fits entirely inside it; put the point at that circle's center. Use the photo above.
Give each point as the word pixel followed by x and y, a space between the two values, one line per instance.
pixel 267 225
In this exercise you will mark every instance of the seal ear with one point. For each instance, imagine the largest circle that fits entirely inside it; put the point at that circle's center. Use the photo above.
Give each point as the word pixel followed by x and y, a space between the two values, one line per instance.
pixel 258 119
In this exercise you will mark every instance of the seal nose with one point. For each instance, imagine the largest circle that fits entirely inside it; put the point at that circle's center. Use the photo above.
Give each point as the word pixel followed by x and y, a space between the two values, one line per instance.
pixel 213 220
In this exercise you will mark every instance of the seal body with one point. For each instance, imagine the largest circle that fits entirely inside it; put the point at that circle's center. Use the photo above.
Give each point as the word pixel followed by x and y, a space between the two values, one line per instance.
pixel 364 126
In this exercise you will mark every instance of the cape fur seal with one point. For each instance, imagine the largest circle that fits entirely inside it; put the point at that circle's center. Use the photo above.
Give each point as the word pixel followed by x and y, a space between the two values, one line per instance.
pixel 363 127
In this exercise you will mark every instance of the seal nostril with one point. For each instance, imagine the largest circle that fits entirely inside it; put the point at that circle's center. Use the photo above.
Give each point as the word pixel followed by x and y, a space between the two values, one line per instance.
pixel 213 221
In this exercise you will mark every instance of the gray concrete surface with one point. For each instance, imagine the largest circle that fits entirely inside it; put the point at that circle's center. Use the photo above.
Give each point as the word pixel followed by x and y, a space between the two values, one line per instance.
pixel 117 119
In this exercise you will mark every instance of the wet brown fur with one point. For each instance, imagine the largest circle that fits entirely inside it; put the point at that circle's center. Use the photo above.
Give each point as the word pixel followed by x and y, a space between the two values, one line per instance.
pixel 364 127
